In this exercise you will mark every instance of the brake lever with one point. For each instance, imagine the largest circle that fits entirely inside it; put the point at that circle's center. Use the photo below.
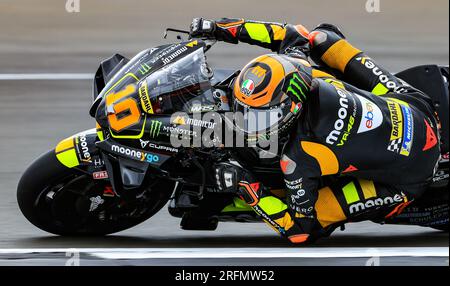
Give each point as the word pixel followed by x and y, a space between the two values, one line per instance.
pixel 166 32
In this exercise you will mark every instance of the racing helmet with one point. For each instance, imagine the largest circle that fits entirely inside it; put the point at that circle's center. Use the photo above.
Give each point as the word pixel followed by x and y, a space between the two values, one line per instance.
pixel 269 93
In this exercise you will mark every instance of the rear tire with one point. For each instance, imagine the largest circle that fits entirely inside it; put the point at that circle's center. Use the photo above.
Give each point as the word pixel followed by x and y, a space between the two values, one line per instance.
pixel 47 202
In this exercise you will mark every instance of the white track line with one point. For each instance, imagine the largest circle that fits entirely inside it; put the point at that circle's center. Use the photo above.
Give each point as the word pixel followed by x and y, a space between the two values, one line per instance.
pixel 176 253
pixel 46 76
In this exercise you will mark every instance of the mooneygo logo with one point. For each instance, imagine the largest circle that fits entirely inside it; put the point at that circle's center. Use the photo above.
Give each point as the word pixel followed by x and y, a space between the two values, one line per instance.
pixel 378 202
pixel 135 154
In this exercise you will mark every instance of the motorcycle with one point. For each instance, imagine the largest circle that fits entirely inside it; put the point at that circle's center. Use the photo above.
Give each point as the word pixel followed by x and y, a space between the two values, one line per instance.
pixel 122 172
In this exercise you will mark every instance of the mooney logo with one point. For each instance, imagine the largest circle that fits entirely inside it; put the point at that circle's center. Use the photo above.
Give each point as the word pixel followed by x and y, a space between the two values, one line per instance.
pixel 86 156
pixel 155 128
pixel 342 115
pixel 359 207
pixel 383 78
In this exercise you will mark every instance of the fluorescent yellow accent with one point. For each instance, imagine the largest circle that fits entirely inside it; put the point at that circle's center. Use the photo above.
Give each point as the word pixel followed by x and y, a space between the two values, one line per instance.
pixel 68 158
pixel 99 131
pixel 339 55
pixel 122 79
pixel 258 32
pixel 350 193
pixel 397 125
pixel 279 33
pixel 64 145
pixel 328 162
pixel 328 208
pixel 368 189
pixel 318 73
pixel 336 83
pixel 272 205
pixel 145 98
pixel 139 136
pixel 238 205
pixel 285 222
pixel 380 89
pixel 179 120
pixel 192 44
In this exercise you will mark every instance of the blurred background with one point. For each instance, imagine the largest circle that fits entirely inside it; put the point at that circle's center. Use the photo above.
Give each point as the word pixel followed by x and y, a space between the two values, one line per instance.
pixel 42 37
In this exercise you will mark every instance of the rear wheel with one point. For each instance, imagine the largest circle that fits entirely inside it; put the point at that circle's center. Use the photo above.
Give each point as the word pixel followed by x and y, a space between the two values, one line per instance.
pixel 65 201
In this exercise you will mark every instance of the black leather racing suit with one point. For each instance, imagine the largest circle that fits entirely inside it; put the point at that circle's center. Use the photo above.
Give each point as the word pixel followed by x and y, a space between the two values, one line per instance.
pixel 361 121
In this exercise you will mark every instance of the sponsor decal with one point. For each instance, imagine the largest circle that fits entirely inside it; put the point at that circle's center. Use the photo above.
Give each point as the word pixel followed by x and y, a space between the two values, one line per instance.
pixel 162 147
pixel 83 149
pixel 350 168
pixel 377 202
pixel 135 154
pixel 248 86
pixel 297 87
pixel 177 130
pixel 431 138
pixel 397 126
pixel 203 108
pixel 371 116
pixel 98 162
pixel 155 128
pixel 341 131
pixel 108 192
pixel 100 175
pixel 145 99
pixel 192 44
pixel 174 55
pixel 95 203
pixel 180 120
pixel 143 143
pixel 294 185
pixel 144 69
pixel 408 127
pixel 383 78
pixel 402 132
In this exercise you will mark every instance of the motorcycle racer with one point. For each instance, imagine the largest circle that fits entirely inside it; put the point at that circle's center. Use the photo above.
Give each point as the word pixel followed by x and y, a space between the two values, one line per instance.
pixel 357 120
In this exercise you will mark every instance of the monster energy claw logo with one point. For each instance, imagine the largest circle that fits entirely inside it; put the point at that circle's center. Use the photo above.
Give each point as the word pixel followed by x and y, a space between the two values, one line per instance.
pixel 155 128
pixel 297 87
pixel 145 68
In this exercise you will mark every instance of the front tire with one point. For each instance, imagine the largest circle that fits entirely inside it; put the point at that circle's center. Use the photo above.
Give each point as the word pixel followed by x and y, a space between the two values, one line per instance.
pixel 55 199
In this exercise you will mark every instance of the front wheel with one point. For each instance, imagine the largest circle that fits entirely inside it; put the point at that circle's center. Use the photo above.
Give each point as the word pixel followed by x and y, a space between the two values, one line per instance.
pixel 65 201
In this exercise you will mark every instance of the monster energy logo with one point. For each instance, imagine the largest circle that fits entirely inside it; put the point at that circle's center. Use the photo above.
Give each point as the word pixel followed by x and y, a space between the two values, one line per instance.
pixel 145 68
pixel 296 85
pixel 155 128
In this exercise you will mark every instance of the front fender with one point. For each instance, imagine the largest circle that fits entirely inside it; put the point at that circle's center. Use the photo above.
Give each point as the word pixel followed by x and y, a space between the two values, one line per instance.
pixel 78 150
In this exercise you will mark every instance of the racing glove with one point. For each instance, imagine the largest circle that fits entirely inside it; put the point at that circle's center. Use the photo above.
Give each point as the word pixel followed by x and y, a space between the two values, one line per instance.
pixel 202 28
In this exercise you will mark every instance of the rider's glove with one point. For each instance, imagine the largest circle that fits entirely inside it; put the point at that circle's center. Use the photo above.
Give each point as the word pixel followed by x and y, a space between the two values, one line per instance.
pixel 202 28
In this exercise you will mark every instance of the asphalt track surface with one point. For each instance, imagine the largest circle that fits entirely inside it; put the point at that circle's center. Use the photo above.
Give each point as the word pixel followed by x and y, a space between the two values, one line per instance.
pixel 36 114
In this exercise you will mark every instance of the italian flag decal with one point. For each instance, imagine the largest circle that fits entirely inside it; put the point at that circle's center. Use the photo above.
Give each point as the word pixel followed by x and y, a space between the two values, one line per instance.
pixel 247 87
